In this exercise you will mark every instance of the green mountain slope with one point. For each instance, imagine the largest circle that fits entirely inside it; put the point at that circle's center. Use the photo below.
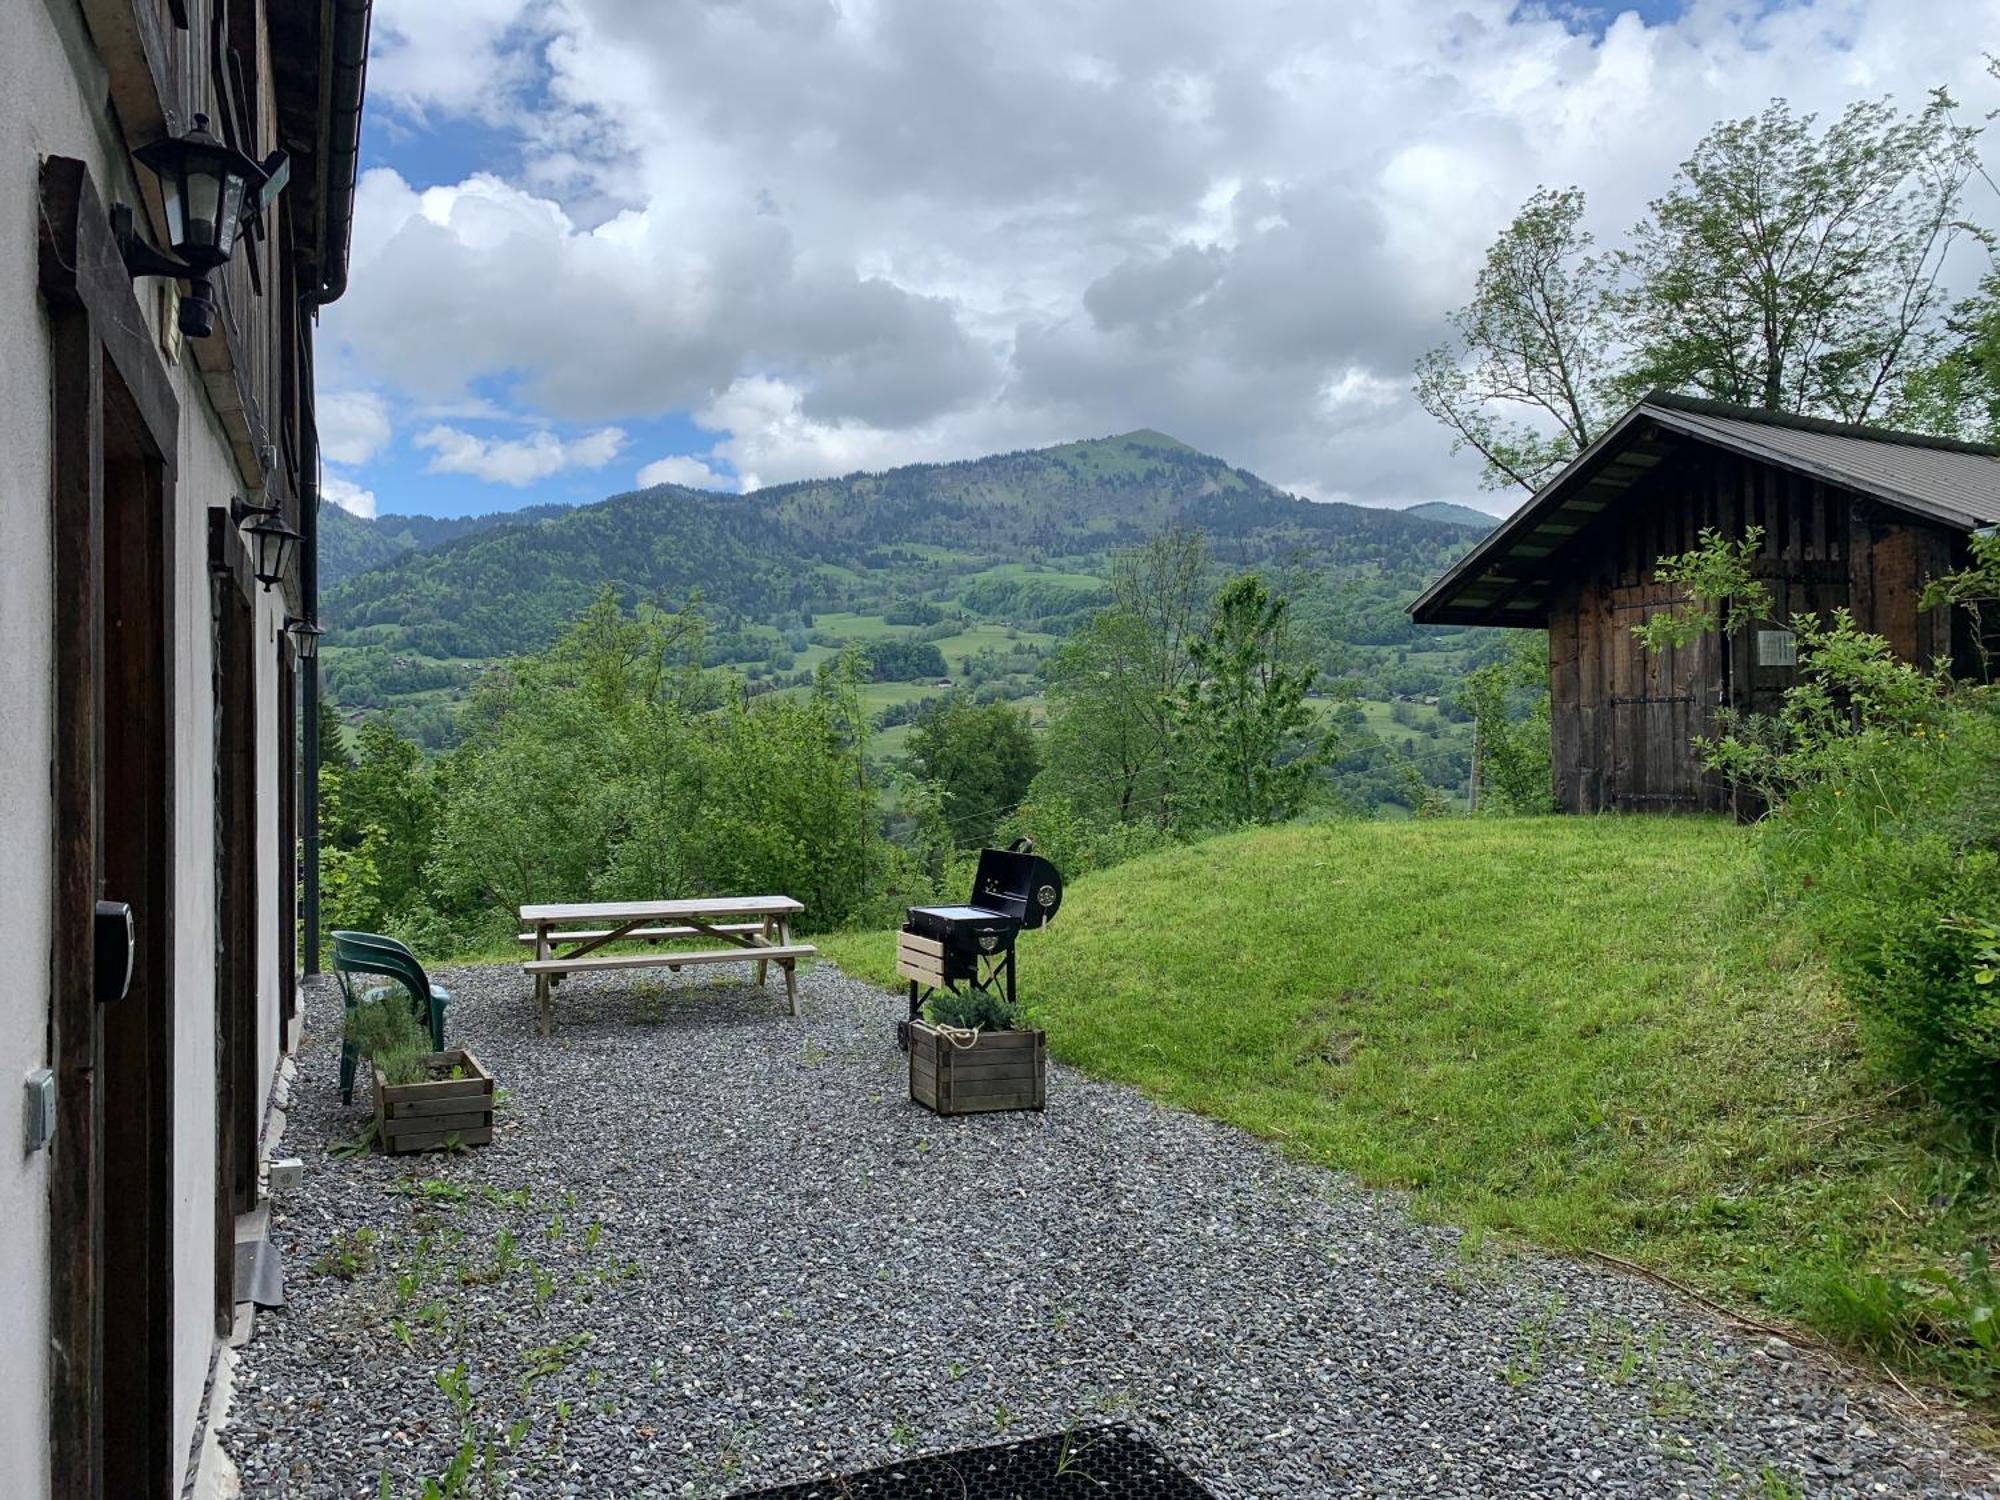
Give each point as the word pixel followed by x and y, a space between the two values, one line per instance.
pixel 833 544
pixel 350 544
pixel 989 560
pixel 1445 512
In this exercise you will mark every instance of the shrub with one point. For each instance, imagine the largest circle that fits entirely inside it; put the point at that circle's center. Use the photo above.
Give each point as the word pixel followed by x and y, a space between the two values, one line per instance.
pixel 1891 848
pixel 387 1032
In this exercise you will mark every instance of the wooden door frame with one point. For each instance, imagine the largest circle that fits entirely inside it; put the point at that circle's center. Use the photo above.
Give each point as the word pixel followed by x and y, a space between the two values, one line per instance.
pixel 234 620
pixel 102 358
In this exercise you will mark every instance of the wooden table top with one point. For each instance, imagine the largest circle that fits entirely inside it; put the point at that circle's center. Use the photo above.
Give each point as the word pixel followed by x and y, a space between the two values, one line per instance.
pixel 626 911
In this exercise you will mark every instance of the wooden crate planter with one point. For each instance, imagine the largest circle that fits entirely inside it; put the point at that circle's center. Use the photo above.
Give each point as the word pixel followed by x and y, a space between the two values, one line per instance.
pixel 1001 1070
pixel 438 1111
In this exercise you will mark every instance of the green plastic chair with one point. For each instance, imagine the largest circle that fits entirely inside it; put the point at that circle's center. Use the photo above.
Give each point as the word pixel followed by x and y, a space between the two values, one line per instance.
pixel 372 953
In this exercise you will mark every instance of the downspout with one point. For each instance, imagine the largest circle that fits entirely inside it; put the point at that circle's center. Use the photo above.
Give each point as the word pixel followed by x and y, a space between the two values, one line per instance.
pixel 348 61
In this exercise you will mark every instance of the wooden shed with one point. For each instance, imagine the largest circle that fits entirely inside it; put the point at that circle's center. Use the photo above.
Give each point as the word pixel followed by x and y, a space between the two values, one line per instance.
pixel 1852 516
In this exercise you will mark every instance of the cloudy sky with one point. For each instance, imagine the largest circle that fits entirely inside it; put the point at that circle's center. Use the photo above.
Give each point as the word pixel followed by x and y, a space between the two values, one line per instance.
pixel 728 243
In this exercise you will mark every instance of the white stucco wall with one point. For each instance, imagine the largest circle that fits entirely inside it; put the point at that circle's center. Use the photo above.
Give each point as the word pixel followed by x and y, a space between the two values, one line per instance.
pixel 55 88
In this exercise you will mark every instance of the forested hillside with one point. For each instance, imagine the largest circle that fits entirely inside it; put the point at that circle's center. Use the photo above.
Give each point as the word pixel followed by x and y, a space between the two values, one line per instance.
pixel 968 572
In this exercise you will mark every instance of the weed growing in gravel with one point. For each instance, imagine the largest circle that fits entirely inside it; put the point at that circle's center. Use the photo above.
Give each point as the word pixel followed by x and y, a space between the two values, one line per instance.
pixel 902 1434
pixel 505 1255
pixel 1771 1485
pixel 352 1254
pixel 1539 1332
pixel 550 1359
pixel 1630 1355
pixel 1002 1417
pixel 430 1190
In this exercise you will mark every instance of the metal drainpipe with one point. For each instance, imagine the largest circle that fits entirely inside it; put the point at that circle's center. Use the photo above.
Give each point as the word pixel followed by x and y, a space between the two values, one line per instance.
pixel 349 25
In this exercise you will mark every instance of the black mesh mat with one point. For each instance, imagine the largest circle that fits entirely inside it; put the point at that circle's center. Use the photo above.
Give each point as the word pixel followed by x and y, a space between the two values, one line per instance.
pixel 1102 1463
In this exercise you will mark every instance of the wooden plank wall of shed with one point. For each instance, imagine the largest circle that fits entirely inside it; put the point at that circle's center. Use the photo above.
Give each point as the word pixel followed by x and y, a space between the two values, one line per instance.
pixel 1623 719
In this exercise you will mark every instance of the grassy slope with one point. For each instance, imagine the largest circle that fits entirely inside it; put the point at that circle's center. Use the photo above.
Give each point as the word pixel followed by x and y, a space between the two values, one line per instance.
pixel 1585 1031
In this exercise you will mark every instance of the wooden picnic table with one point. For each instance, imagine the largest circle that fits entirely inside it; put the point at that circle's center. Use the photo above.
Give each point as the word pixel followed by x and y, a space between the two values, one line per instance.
pixel 568 937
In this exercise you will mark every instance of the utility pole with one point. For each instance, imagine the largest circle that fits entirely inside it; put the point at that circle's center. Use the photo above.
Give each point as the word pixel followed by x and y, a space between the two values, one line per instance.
pixel 1472 782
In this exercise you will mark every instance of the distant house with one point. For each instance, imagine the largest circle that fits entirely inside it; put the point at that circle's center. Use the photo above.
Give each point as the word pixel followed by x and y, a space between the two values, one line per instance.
pixel 1852 516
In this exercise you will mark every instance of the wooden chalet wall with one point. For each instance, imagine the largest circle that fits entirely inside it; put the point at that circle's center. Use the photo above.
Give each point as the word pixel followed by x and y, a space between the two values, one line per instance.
pixel 1623 719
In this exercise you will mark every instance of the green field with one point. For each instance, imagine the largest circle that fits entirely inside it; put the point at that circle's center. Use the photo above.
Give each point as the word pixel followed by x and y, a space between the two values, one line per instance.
pixel 1585 1032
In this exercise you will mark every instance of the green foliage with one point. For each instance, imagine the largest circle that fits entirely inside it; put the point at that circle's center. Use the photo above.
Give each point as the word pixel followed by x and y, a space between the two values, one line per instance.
pixel 1250 746
pixel 1788 266
pixel 1975 589
pixel 980 758
pixel 1796 268
pixel 1888 841
pixel 612 767
pixel 351 1255
pixel 384 1029
pixel 975 1010
pixel 1853 690
pixel 1722 589
pixel 1111 686
pixel 1536 339
pixel 1509 702
pixel 907 659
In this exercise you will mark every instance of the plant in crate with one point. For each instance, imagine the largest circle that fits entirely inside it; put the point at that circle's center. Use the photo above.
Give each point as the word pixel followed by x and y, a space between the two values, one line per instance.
pixel 969 1054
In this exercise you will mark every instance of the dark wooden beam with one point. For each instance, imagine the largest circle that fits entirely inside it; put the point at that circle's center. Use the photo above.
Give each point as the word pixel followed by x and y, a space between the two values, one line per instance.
pixel 76 1241
pixel 80 268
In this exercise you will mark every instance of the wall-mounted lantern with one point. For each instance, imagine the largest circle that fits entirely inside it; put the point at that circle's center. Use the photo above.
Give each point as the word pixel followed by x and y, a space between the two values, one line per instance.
pixel 271 540
pixel 209 190
pixel 305 636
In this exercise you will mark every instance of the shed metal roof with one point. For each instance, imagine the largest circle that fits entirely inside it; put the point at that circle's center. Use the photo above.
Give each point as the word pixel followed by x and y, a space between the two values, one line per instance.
pixel 1504 580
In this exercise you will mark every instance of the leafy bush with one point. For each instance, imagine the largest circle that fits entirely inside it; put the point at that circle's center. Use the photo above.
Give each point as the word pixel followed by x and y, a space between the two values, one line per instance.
pixel 1889 841
pixel 386 1031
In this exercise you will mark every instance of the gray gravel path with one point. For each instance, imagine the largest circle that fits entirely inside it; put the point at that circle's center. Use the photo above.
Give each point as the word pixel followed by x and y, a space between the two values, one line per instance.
pixel 713 1248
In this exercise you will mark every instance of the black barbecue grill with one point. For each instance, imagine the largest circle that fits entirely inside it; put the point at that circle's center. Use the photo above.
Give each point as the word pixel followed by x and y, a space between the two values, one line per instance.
pixel 942 947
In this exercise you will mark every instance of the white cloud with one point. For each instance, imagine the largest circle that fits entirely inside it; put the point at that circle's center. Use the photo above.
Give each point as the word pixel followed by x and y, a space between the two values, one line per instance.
pixel 516 461
pixel 353 425
pixel 683 469
pixel 878 231
pixel 348 495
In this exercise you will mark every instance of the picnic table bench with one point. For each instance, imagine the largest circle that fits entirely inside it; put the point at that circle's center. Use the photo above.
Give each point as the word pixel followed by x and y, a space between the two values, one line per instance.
pixel 569 937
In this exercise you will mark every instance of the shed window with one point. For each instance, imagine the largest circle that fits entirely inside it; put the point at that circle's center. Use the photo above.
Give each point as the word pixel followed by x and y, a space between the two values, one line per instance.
pixel 1777 648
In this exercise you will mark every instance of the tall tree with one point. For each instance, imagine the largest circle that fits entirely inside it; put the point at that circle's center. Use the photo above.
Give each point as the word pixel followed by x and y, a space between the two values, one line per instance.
pixel 1524 382
pixel 1787 266
pixel 1252 744
pixel 1112 685
pixel 1798 269
pixel 981 759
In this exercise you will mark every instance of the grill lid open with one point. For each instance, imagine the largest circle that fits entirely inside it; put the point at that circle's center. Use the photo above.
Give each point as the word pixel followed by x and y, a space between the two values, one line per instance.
pixel 1018 882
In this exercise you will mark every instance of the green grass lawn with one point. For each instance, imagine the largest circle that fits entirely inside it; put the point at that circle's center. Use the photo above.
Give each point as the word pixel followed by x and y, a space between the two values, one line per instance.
pixel 1586 1032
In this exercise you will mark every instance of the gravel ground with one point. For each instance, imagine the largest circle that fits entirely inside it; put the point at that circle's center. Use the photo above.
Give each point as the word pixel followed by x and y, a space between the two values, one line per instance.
pixel 712 1248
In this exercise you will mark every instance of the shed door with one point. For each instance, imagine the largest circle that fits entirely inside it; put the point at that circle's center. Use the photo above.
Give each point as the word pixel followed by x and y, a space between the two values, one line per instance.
pixel 1658 703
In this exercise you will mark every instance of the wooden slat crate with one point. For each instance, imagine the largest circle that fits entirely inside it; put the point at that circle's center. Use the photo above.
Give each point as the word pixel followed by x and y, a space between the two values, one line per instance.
pixel 921 959
pixel 439 1111
pixel 1001 1070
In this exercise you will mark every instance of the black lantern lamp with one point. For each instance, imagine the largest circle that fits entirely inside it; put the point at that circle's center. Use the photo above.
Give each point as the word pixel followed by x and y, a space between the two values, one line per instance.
pixel 209 190
pixel 305 636
pixel 271 540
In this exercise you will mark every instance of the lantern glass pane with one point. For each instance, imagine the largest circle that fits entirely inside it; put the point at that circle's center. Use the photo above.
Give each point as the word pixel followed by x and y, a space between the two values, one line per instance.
pixel 203 187
pixel 170 194
pixel 230 215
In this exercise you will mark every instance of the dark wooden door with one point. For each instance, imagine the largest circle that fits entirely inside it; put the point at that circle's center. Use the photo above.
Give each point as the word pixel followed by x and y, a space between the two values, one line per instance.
pixel 1659 701
pixel 136 854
